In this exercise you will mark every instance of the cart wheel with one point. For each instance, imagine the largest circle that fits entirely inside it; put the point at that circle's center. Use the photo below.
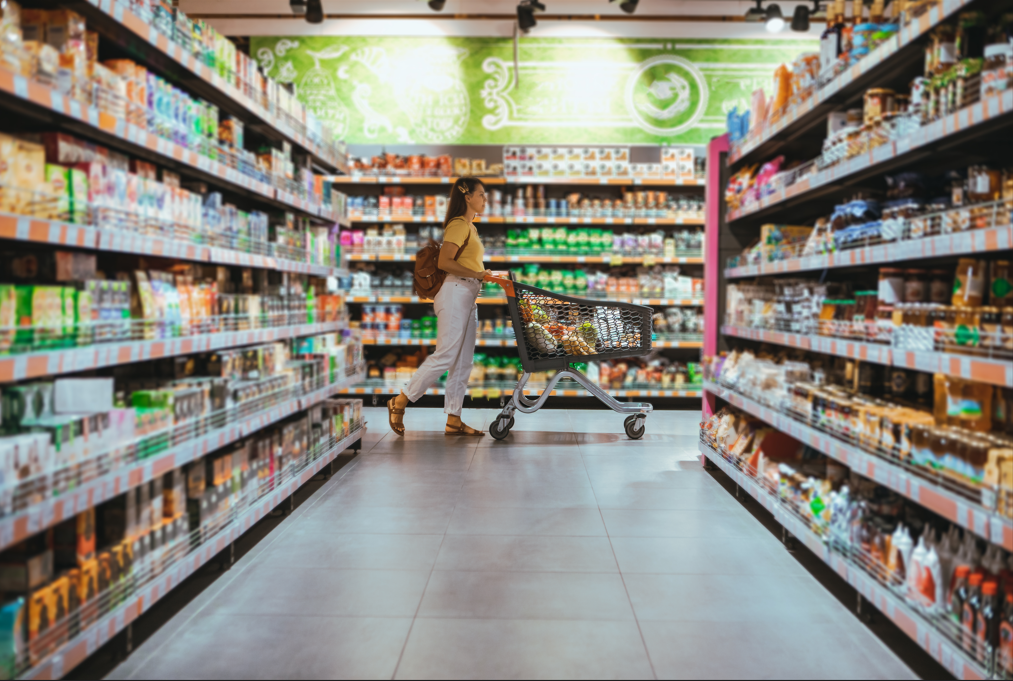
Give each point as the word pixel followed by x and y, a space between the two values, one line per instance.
pixel 634 430
pixel 497 431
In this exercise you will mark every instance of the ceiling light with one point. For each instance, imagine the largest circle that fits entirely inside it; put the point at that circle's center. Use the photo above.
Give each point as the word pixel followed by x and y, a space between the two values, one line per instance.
pixel 756 13
pixel 437 5
pixel 298 7
pixel 628 6
pixel 775 20
pixel 314 12
pixel 800 19
pixel 526 14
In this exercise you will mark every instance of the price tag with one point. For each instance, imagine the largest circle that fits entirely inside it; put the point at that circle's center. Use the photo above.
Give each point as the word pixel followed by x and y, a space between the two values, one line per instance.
pixel 616 260
pixel 648 261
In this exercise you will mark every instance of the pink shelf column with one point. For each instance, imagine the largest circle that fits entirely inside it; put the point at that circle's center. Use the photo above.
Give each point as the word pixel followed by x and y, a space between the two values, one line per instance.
pixel 712 249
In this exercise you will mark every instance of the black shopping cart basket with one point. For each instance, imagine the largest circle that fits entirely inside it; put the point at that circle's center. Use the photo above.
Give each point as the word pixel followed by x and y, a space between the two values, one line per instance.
pixel 554 331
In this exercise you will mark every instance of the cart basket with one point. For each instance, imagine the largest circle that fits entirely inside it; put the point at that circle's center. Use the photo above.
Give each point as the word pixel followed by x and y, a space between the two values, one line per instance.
pixel 554 331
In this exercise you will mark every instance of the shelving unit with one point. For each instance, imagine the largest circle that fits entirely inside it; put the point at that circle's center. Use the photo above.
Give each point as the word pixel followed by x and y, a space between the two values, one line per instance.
pixel 960 138
pixel 102 467
pixel 498 258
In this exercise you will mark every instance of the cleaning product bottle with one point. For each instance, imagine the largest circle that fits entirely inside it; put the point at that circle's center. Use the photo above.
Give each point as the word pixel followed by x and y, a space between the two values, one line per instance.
pixel 930 585
pixel 1005 659
pixel 958 594
pixel 987 624
pixel 914 573
pixel 904 545
pixel 969 617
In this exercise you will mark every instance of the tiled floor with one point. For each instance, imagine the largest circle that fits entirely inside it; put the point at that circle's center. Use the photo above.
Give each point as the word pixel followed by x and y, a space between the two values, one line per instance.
pixel 566 551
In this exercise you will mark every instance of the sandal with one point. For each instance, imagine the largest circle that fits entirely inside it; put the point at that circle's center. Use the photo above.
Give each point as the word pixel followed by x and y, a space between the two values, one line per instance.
pixel 463 430
pixel 392 411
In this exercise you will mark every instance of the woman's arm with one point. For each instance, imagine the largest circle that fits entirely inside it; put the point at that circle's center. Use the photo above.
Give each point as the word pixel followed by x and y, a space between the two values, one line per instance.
pixel 451 266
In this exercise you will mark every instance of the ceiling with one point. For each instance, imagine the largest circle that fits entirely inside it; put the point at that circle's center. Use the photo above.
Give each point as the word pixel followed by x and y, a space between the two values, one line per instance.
pixel 653 18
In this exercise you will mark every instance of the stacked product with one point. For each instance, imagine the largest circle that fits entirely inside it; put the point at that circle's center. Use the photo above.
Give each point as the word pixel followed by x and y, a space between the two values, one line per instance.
pixel 677 163
pixel 941 425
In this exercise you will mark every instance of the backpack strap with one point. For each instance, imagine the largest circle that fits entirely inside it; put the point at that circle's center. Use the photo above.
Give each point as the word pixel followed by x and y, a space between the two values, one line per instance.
pixel 464 245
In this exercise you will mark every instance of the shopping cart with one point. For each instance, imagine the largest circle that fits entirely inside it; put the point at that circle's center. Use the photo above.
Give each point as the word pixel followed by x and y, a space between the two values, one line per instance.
pixel 554 331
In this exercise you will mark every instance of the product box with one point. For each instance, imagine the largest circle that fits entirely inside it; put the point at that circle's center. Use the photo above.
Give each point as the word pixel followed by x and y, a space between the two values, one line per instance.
pixel 13 617
pixel 82 395
pixel 589 154
pixel 604 168
pixel 558 168
pixel 543 169
pixel 621 169
pixel 511 168
pixel 543 154
pixel 527 168
pixel 621 154
pixel 527 154
pixel 511 154
pixel 668 155
pixel 574 154
pixel 685 163
pixel 590 169
pixel 669 170
pixel 54 199
pixel 574 168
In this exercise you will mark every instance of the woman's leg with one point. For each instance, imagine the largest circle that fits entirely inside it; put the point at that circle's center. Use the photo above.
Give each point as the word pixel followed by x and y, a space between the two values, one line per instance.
pixel 460 370
pixel 452 309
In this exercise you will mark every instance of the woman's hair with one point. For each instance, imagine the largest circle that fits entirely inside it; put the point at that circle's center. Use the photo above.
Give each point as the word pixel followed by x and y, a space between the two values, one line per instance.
pixel 462 189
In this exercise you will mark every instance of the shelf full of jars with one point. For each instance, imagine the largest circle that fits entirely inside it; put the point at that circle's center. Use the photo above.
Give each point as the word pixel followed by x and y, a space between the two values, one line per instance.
pixel 866 318
pixel 638 244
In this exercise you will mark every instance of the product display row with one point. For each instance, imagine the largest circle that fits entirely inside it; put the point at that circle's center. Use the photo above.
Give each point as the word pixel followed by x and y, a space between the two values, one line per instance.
pixel 946 428
pixel 64 433
pixel 395 240
pixel 963 588
pixel 968 310
pixel 530 201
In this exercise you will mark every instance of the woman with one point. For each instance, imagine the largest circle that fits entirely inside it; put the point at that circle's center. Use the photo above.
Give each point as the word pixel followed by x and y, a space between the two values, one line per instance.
pixel 456 311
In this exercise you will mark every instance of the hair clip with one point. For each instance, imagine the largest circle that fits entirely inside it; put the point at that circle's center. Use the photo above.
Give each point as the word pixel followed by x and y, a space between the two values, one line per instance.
pixel 463 188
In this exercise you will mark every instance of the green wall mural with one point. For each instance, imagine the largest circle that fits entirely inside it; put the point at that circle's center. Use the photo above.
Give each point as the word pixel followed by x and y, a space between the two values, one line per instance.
pixel 395 90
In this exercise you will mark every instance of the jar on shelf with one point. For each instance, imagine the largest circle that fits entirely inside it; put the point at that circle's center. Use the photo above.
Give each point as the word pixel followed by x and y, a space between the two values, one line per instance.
pixel 996 71
pixel 1000 287
pixel 983 184
pixel 891 286
pixel 878 101
pixel 969 290
pixel 916 286
pixel 1006 322
pixel 940 286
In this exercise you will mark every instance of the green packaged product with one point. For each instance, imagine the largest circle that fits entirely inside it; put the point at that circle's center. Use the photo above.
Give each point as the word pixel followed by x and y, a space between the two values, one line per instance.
pixel 78 185
pixel 8 316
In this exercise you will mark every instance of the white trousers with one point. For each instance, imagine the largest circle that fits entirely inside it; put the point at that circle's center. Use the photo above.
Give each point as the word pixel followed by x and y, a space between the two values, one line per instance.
pixel 457 325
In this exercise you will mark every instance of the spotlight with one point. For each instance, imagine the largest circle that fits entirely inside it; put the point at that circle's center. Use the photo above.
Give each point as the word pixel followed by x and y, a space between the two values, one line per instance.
pixel 756 14
pixel 628 6
pixel 298 7
pixel 775 20
pixel 314 12
pixel 526 14
pixel 800 19
pixel 437 5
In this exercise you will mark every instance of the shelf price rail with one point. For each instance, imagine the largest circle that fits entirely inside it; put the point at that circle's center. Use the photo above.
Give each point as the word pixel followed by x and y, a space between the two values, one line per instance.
pixel 43 96
pixel 124 16
pixel 986 370
pixel 20 367
pixel 910 32
pixel 986 110
pixel 59 233
pixel 990 239
pixel 952 506
pixel 72 653
pixel 408 298
pixel 912 623
pixel 235 426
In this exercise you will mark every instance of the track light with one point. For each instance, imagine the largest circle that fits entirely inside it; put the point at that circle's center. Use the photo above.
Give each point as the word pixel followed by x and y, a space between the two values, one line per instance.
pixel 437 5
pixel 628 6
pixel 298 7
pixel 526 14
pixel 756 14
pixel 775 20
pixel 800 19
pixel 314 12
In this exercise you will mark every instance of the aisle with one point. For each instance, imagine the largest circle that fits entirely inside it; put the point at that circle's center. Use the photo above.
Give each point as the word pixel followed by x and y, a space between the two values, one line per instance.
pixel 566 552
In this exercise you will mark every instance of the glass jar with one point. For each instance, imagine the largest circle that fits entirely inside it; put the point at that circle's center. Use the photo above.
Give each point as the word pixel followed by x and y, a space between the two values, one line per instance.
pixel 995 72
pixel 1000 289
pixel 940 286
pixel 983 184
pixel 1006 322
pixel 878 101
pixel 991 331
pixel 915 286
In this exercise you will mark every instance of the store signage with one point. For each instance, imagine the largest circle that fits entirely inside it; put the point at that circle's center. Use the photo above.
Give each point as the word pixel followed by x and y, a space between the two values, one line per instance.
pixel 566 91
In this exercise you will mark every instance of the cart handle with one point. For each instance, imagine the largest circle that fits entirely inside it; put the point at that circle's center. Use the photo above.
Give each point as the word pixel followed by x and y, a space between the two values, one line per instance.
pixel 504 282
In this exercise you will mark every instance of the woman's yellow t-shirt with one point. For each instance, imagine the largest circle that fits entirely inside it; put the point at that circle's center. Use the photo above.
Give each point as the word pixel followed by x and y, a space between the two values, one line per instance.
pixel 456 232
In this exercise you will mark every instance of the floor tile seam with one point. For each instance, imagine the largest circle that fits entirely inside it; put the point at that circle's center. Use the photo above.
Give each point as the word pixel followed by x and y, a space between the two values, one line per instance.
pixel 214 590
pixel 626 589
pixel 530 572
pixel 528 618
pixel 422 597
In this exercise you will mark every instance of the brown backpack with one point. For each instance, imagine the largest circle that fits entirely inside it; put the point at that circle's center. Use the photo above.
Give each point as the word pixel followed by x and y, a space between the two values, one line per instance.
pixel 429 278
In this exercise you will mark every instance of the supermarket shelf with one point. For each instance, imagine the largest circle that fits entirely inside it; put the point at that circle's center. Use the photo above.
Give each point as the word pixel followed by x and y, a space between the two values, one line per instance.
pixel 139 141
pixel 892 606
pixel 53 362
pixel 951 506
pixel 78 649
pixel 993 371
pixel 114 17
pixel 872 67
pixel 964 123
pixel 611 181
pixel 540 221
pixel 506 342
pixel 19 526
pixel 976 241
pixel 57 233
pixel 653 302
pixel 615 260
pixel 495 392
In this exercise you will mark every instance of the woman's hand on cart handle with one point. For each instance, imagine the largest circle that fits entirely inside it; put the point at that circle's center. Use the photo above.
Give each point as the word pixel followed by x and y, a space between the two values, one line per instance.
pixel 501 278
